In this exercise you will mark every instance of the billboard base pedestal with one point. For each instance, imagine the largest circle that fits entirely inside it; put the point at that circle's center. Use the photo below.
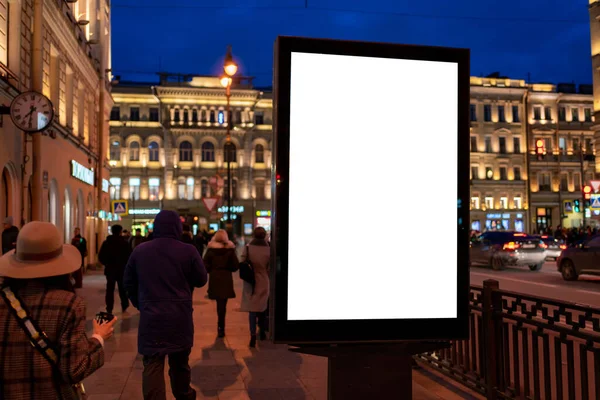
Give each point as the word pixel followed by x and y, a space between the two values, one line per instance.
pixel 370 371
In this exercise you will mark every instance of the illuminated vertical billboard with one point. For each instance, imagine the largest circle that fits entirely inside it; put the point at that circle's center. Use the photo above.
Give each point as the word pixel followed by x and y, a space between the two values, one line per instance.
pixel 371 192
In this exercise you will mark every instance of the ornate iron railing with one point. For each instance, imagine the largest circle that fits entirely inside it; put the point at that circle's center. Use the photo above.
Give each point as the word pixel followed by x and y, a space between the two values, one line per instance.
pixel 525 347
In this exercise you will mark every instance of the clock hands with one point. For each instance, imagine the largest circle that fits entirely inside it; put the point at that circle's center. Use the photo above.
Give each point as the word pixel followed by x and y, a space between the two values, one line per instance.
pixel 30 115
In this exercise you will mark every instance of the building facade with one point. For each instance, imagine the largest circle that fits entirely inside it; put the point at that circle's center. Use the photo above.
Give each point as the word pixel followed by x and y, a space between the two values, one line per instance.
pixel 60 49
pixel 512 187
pixel 167 151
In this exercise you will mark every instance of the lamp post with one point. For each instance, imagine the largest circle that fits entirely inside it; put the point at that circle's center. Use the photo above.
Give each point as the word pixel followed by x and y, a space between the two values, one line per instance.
pixel 230 68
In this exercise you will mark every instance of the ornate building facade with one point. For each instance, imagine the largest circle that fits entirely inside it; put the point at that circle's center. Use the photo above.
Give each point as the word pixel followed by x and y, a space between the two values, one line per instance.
pixel 167 151
pixel 512 187
pixel 60 49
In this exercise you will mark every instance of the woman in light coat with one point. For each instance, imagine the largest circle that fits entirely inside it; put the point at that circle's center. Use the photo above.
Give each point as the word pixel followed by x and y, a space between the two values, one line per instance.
pixel 255 300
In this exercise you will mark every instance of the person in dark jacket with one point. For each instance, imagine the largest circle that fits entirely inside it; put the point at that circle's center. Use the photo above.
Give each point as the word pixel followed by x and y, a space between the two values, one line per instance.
pixel 9 235
pixel 81 244
pixel 136 240
pixel 220 260
pixel 160 278
pixel 114 254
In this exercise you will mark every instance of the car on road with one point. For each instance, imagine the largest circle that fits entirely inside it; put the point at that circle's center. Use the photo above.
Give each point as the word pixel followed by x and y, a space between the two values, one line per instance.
pixel 553 246
pixel 505 248
pixel 583 258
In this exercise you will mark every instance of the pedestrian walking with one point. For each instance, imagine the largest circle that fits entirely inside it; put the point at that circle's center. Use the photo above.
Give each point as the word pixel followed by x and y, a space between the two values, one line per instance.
pixel 114 254
pixel 160 278
pixel 136 240
pixel 9 235
pixel 37 294
pixel 81 244
pixel 221 261
pixel 255 298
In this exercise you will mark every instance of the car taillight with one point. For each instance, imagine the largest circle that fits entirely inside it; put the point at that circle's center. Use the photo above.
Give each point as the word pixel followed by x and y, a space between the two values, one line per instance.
pixel 543 245
pixel 563 246
pixel 511 246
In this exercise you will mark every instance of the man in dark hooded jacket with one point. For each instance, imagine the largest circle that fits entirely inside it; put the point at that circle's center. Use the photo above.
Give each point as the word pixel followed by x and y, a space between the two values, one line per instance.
pixel 160 278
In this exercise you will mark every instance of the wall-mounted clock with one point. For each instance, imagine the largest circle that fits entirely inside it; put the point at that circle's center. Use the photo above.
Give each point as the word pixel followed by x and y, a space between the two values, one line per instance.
pixel 32 112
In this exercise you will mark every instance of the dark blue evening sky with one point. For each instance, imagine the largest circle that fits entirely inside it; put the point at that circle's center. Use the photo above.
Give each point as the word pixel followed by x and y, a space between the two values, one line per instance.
pixel 548 39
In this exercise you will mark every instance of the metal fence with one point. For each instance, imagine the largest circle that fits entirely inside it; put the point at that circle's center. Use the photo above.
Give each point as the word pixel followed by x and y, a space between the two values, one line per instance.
pixel 525 347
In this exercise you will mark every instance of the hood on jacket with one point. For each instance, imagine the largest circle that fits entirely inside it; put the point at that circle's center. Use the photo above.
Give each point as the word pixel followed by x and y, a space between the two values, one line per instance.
pixel 213 244
pixel 167 225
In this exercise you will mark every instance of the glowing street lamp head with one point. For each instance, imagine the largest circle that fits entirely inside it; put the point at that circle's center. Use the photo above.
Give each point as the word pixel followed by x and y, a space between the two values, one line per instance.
pixel 226 81
pixel 230 67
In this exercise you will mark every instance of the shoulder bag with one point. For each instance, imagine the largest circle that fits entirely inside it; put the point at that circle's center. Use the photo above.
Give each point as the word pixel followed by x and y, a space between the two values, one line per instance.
pixel 37 337
pixel 246 269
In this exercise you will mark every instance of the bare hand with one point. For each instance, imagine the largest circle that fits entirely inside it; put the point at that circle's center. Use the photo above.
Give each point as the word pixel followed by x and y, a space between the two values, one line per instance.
pixel 105 330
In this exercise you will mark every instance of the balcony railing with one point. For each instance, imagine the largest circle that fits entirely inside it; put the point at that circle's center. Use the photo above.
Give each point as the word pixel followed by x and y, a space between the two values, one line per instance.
pixel 564 158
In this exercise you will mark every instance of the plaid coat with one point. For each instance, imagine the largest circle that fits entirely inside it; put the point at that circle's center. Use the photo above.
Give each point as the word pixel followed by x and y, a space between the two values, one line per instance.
pixel 24 373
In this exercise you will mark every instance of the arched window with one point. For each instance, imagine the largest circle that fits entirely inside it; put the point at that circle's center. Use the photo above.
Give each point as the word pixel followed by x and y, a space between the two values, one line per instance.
pixel 177 117
pixel 134 151
pixel 195 116
pixel 238 117
pixel 213 117
pixel 153 151
pixel 259 154
pixel 186 116
pixel 204 188
pixel 203 116
pixel 115 150
pixel 185 151
pixel 231 153
pixel 208 152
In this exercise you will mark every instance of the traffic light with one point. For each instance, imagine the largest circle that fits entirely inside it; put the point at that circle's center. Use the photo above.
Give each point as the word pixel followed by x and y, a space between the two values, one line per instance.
pixel 577 206
pixel 540 148
pixel 587 192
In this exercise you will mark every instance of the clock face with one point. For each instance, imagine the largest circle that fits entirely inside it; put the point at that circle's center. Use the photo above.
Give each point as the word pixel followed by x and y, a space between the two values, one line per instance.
pixel 32 111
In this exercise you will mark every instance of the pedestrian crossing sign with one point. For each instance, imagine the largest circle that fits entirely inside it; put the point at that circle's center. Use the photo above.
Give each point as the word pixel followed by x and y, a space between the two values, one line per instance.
pixel 595 202
pixel 120 207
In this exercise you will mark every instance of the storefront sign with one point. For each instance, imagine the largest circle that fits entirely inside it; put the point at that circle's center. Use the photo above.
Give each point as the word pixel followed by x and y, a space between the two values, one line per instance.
pixel 234 209
pixel 498 216
pixel 263 213
pixel 82 173
pixel 105 185
pixel 144 211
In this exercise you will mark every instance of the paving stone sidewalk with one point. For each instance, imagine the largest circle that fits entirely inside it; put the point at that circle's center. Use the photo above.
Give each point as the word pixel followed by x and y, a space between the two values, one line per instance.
pixel 226 369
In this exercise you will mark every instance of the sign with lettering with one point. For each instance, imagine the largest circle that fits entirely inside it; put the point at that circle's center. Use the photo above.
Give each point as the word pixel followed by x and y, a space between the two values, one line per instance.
pixel 82 173
pixel 263 213
pixel 144 211
pixel 234 209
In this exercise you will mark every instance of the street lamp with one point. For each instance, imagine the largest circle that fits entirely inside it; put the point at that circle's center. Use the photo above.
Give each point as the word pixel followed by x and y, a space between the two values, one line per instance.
pixel 230 68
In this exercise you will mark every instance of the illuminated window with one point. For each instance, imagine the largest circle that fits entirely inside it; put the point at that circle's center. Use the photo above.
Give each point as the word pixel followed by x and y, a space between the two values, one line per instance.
pixel 134 188
pixel 489 203
pixel 475 203
pixel 562 145
pixel 518 202
pixel 4 15
pixel 185 151
pixel 134 151
pixel 115 188
pixel 259 154
pixel 153 151
pixel 190 188
pixel 181 188
pixel 504 203
pixel 153 188
pixel 208 152
pixel 221 117
pixel 115 151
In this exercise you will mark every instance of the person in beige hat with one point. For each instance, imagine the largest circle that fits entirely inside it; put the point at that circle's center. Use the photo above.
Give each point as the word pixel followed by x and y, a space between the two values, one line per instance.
pixel 38 305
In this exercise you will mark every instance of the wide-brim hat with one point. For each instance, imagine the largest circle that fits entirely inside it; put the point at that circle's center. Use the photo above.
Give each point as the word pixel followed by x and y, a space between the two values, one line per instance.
pixel 40 253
